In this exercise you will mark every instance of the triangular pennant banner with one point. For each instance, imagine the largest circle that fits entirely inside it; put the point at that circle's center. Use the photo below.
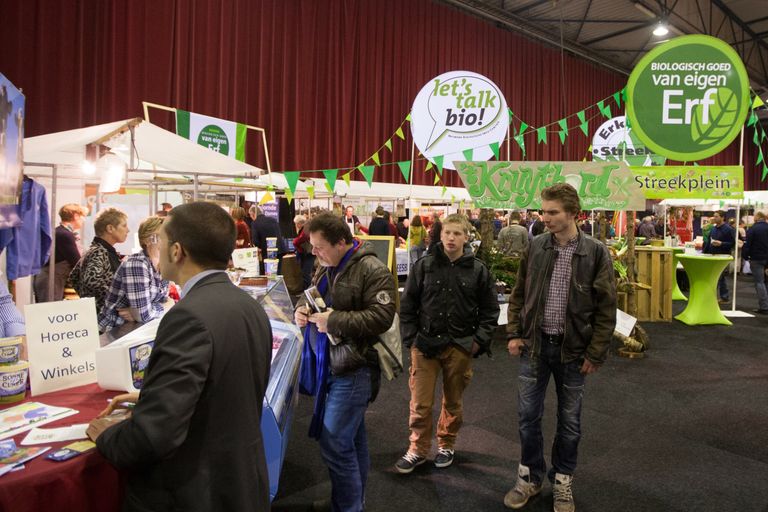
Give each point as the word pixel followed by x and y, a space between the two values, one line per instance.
pixel 367 171
pixel 617 98
pixel 561 134
pixel 405 169
pixel 583 123
pixel 752 118
pixel 328 188
pixel 428 167
pixel 266 198
pixel 758 102
pixel 759 156
pixel 437 179
pixel 468 153
pixel 520 142
pixel 399 133
pixel 289 195
pixel 330 178
pixel 388 144
pixel 408 118
pixel 624 95
pixel 754 139
pixel 375 158
pixel 346 178
pixel 523 127
pixel 495 148
pixel 563 125
pixel 541 135
pixel 444 190
pixel 292 177
pixel 439 164
pixel 765 171
pixel 510 114
pixel 311 191
pixel 604 109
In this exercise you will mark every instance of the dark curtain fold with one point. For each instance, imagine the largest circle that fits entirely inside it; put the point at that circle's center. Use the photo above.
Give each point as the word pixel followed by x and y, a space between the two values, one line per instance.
pixel 329 80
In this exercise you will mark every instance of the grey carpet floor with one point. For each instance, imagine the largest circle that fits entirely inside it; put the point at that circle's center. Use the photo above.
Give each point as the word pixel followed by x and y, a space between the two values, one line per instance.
pixel 685 429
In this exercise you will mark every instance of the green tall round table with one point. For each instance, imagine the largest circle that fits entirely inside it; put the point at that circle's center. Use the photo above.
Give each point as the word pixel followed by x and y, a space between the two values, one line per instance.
pixel 703 272
pixel 677 294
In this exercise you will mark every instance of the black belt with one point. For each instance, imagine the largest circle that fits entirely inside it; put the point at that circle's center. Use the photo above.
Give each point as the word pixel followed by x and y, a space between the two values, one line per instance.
pixel 554 339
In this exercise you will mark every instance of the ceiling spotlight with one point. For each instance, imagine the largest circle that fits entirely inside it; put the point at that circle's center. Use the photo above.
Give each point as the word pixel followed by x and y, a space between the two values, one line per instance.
pixel 661 29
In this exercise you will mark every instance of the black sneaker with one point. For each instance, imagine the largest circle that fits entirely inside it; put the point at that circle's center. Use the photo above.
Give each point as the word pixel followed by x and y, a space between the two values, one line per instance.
pixel 408 462
pixel 444 458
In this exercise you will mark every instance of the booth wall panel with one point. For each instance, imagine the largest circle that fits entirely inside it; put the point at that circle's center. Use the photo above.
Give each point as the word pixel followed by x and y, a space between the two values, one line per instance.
pixel 329 80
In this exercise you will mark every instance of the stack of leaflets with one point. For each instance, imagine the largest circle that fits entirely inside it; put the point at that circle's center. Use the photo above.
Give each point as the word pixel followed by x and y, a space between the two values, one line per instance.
pixel 29 415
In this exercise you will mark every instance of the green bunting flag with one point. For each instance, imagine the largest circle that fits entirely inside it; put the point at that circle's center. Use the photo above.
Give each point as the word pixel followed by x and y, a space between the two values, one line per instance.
pixel 311 191
pixel 627 123
pixel 624 95
pixel 604 109
pixel 330 178
pixel 346 178
pixel 437 179
pixel 523 127
pixel 428 167
pixel 439 164
pixel 399 133
pixel 754 139
pixel 752 118
pixel 468 153
pixel 541 135
pixel 495 148
pixel 408 117
pixel 292 177
pixel 561 134
pixel 563 125
pixel 388 144
pixel 759 156
pixel 617 98
pixel 520 142
pixel 510 114
pixel 405 169
pixel 583 123
pixel 762 134
pixel 367 171
pixel 328 188
pixel 765 171
pixel 375 158
pixel 289 195
pixel 758 102
pixel 444 190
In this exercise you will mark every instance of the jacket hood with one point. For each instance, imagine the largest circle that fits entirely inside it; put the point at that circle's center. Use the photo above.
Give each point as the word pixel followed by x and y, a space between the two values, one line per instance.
pixel 468 255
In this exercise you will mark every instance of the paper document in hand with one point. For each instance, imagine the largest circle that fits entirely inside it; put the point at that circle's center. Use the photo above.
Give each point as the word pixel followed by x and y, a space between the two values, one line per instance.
pixel 26 416
pixel 316 304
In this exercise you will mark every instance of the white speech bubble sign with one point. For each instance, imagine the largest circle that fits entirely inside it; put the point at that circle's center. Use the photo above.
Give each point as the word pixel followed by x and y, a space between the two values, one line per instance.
pixel 457 111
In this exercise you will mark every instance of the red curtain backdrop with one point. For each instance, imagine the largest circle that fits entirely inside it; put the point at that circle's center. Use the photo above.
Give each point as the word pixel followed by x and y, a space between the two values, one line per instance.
pixel 329 80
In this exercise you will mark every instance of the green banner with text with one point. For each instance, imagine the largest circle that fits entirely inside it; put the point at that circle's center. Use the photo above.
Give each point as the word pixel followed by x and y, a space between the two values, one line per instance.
pixel 509 185
pixel 690 182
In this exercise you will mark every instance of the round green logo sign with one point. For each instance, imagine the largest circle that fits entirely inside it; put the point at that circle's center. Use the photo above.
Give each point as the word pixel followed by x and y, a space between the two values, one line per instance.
pixel 213 137
pixel 687 99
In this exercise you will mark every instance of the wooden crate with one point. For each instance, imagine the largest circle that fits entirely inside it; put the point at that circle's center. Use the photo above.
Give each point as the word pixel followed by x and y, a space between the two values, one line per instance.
pixel 655 267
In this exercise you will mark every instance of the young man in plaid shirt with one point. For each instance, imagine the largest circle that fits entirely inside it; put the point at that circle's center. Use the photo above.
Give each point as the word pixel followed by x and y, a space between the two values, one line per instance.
pixel 562 313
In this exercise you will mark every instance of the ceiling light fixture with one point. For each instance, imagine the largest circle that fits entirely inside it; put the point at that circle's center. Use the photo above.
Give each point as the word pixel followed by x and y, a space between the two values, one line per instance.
pixel 661 29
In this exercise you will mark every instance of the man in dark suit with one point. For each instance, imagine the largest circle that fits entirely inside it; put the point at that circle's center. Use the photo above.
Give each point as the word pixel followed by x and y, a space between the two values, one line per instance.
pixel 193 441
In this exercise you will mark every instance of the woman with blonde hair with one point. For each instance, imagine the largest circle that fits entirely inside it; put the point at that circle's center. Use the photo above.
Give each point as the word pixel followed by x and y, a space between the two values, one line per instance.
pixel 138 292
pixel 417 235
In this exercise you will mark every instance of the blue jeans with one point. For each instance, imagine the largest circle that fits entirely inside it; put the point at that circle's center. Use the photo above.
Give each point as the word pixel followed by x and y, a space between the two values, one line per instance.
pixel 343 443
pixel 532 388
pixel 758 274
pixel 722 285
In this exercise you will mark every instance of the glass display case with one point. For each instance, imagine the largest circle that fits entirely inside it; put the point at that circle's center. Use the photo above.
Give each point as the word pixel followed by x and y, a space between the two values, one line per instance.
pixel 282 390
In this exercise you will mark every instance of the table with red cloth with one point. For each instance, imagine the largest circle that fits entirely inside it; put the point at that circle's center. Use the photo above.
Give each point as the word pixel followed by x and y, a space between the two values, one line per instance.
pixel 85 483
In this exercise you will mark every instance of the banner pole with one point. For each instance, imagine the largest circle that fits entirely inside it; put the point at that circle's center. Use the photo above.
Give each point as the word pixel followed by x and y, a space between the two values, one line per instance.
pixel 736 234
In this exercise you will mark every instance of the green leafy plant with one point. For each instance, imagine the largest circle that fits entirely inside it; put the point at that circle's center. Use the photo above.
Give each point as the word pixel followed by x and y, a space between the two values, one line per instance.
pixel 503 268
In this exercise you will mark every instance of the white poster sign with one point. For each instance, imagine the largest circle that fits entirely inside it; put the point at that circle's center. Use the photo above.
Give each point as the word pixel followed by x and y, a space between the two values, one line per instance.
pixel 248 259
pixel 624 323
pixel 614 142
pixel 62 338
pixel 459 111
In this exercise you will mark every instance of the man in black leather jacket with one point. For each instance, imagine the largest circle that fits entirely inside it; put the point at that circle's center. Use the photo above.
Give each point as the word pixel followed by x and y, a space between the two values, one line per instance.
pixel 562 313
pixel 448 314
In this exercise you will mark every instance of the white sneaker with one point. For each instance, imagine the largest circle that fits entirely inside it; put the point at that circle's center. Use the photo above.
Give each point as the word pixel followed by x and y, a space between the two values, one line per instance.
pixel 523 490
pixel 563 494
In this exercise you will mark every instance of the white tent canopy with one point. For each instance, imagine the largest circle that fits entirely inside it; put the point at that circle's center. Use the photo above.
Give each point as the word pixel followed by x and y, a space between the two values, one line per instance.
pixel 379 190
pixel 156 150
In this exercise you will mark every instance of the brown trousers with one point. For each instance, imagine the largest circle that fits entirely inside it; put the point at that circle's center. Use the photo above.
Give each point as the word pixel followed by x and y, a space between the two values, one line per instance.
pixel 456 365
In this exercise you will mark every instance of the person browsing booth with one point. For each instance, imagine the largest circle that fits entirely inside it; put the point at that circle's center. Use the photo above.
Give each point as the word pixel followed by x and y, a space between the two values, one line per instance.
pixel 193 441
